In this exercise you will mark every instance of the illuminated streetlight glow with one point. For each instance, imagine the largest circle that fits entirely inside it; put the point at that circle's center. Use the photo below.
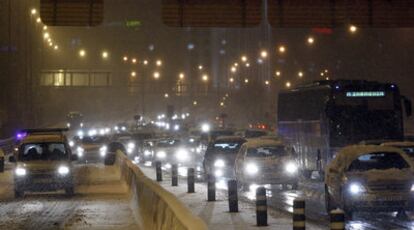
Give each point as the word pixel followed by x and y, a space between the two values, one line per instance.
pixel 231 80
pixel 311 40
pixel 46 35
pixel 233 69
pixel 263 54
pixel 288 84
pixel 244 58
pixel 145 62
pixel 221 104
pixel 246 80
pixel 156 75
pixel 125 58
pixel 353 28
pixel 247 65
pixel 56 47
pixel 49 40
pixel 82 53
pixel 50 43
pixel 44 27
pixel 267 82
pixel 38 20
pixel 158 63
pixel 105 55
pixel 181 76
pixel 205 78
pixel 278 73
pixel 134 60
pixel 133 74
pixel 194 103
pixel 166 95
pixel 282 49
pixel 300 74
pixel 236 64
pixel 200 67
pixel 33 11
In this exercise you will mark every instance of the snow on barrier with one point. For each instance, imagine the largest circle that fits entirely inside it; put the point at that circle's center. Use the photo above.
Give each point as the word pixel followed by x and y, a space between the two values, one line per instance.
pixel 154 207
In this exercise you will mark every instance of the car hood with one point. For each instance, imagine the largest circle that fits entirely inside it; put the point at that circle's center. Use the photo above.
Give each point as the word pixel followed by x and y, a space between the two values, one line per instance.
pixel 377 176
pixel 42 166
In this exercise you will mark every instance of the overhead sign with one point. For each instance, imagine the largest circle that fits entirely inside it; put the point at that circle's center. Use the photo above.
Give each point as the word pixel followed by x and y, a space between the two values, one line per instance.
pixel 366 94
pixel 211 13
pixel 71 12
pixel 334 13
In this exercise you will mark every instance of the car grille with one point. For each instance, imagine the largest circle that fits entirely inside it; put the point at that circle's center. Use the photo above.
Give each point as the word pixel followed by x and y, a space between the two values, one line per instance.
pixel 390 187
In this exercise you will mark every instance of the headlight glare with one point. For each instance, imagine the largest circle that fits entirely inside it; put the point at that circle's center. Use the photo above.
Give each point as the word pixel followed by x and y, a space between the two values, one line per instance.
pixel 356 188
pixel 219 163
pixel 252 168
pixel 182 155
pixel 20 171
pixel 63 170
pixel 131 145
pixel 161 154
pixel 291 168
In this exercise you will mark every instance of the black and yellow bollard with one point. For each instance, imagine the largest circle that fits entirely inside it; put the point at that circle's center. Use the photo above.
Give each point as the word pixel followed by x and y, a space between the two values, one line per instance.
pixel 190 180
pixel 174 175
pixel 337 219
pixel 299 219
pixel 211 188
pixel 261 207
pixel 233 199
pixel 158 170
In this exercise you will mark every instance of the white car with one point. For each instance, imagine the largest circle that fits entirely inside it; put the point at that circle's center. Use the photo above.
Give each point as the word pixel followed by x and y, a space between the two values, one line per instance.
pixel 266 161
pixel 370 178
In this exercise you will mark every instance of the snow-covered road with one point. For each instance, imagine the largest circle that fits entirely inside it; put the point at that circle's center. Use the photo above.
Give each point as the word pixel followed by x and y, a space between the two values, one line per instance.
pixel 101 202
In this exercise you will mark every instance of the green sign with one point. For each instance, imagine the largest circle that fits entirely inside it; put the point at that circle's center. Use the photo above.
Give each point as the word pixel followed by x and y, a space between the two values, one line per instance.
pixel 133 23
pixel 366 94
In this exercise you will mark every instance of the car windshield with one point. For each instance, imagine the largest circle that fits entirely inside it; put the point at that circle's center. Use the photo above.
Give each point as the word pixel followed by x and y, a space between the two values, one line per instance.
pixel 409 150
pixel 168 143
pixel 43 152
pixel 93 140
pixel 230 147
pixel 379 161
pixel 267 151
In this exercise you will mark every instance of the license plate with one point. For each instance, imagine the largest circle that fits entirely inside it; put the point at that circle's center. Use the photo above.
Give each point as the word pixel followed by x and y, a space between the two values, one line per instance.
pixel 41 181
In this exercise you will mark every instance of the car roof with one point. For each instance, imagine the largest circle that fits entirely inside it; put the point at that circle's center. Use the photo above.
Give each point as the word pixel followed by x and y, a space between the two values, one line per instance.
pixel 44 138
pixel 258 142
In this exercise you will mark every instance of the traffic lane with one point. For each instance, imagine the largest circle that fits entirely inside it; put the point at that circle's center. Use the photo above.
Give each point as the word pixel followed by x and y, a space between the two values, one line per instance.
pixel 98 193
pixel 313 193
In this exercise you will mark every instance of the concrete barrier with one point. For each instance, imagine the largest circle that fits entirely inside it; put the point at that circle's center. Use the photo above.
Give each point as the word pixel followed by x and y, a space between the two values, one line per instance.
pixel 153 206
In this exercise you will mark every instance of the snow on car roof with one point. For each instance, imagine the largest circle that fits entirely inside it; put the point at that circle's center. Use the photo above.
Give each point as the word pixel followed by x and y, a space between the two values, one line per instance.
pixel 348 154
pixel 259 142
pixel 399 144
pixel 229 138
pixel 43 138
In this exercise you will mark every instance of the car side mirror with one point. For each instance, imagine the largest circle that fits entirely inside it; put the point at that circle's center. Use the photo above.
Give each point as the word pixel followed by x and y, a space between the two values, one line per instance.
pixel 12 159
pixel 74 157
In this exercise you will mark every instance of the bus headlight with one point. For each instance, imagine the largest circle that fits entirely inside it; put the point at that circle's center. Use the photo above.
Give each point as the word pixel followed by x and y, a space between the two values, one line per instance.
pixel 251 168
pixel 219 163
pixel 20 171
pixel 63 170
pixel 161 154
pixel 291 168
pixel 356 188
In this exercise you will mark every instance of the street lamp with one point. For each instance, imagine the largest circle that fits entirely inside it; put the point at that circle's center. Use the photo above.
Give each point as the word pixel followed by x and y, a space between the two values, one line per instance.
pixel 125 58
pixel 267 82
pixel 231 80
pixel 156 75
pixel 288 84
pixel 300 74
pixel 195 103
pixel 311 40
pixel 200 67
pixel 263 54
pixel 145 62
pixel 159 63
pixel 44 27
pixel 353 29
pixel 133 74
pixel 205 78
pixel 134 60
pixel 166 95
pixel 38 20
pixel 33 11
pixel 46 35
pixel 278 73
pixel 247 65
pixel 246 80
pixel 56 47
pixel 233 69
pixel 82 53
pixel 244 58
pixel 282 49
pixel 105 55
pixel 181 76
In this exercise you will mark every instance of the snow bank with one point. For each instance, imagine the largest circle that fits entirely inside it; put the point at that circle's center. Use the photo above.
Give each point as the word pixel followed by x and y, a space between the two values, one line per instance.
pixel 154 207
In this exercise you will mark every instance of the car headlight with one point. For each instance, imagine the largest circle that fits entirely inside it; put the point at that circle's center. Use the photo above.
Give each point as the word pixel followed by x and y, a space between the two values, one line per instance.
pixel 182 155
pixel 291 168
pixel 412 188
pixel 131 145
pixel 103 148
pixel 20 171
pixel 147 153
pixel 218 173
pixel 251 168
pixel 356 188
pixel 219 163
pixel 63 170
pixel 161 154
pixel 71 143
